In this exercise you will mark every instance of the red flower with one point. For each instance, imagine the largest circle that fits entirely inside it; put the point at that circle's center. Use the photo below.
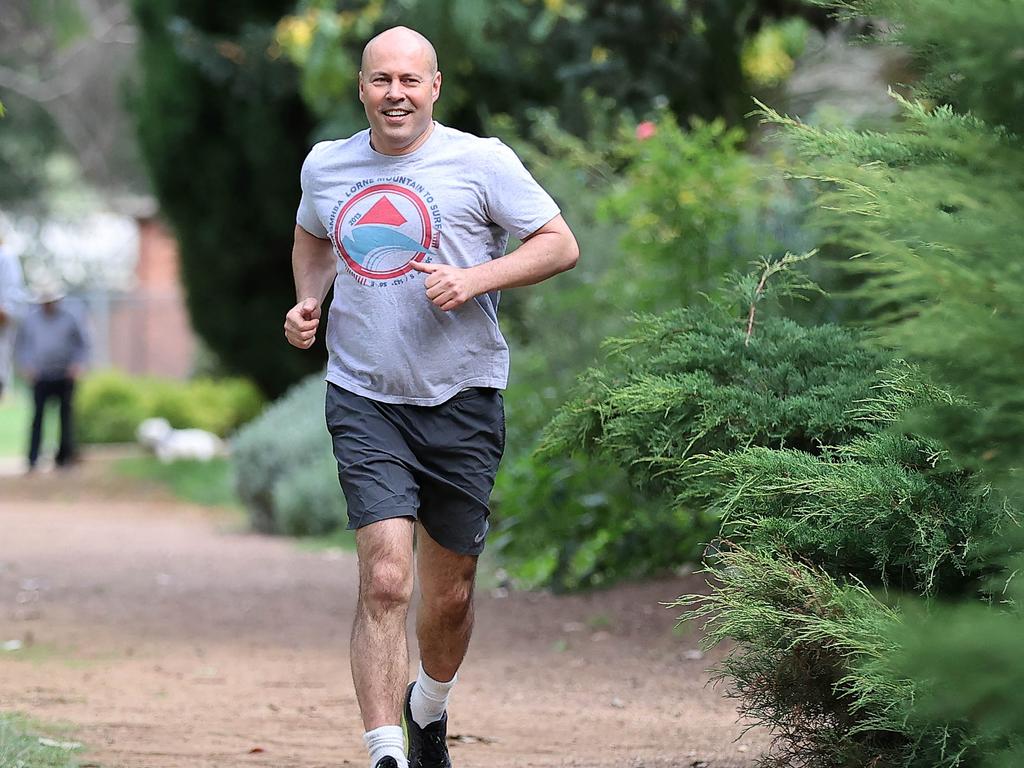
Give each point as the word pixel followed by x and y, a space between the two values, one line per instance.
pixel 645 130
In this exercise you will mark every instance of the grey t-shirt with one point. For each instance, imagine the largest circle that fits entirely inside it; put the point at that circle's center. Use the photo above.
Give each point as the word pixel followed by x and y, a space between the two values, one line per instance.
pixel 50 343
pixel 452 201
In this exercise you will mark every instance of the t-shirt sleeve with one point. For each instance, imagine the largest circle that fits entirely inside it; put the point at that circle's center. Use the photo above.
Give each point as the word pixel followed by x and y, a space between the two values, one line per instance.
pixel 306 216
pixel 514 199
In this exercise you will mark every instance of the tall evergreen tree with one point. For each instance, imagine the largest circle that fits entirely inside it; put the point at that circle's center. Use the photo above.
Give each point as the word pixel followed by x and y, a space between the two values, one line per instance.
pixel 224 131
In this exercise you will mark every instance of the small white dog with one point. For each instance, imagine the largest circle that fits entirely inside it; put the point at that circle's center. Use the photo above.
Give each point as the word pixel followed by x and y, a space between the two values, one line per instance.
pixel 171 444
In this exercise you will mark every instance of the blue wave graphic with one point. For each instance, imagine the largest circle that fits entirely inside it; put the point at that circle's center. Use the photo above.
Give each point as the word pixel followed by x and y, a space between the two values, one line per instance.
pixel 371 242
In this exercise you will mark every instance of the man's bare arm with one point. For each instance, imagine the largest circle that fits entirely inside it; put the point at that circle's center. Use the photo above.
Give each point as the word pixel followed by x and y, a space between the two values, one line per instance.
pixel 314 268
pixel 548 251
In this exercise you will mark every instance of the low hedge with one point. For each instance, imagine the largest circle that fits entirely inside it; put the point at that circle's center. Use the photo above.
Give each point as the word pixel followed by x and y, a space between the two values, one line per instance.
pixel 110 405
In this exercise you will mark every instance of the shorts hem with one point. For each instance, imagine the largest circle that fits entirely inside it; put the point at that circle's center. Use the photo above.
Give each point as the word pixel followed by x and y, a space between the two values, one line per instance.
pixel 355 522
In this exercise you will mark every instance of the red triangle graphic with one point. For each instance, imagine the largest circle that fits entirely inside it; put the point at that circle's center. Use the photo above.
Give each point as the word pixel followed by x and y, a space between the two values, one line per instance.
pixel 383 212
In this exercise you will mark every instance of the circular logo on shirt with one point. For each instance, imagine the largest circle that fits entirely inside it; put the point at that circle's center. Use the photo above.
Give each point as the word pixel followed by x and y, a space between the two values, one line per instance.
pixel 381 229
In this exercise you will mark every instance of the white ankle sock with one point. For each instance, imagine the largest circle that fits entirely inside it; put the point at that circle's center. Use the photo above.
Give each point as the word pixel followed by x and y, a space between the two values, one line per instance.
pixel 429 698
pixel 384 741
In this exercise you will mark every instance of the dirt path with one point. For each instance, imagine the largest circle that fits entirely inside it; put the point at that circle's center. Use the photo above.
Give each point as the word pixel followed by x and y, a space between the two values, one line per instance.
pixel 171 641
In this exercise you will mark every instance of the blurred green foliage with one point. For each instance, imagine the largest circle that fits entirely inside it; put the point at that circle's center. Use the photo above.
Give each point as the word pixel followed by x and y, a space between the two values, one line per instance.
pixel 937 217
pixel 967 54
pixel 575 522
pixel 769 57
pixel 509 56
pixel 110 405
pixel 30 138
pixel 284 465
pixel 695 206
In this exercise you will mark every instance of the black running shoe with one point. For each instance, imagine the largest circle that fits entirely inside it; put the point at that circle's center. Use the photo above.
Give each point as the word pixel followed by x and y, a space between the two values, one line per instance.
pixel 428 747
pixel 387 762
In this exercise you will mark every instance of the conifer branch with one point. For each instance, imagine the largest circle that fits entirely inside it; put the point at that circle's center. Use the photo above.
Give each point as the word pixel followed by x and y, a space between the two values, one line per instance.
pixel 772 268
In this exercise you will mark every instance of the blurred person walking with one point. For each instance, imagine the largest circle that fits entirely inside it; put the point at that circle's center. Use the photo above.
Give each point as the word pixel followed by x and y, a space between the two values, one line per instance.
pixel 51 350
pixel 13 301
pixel 409 221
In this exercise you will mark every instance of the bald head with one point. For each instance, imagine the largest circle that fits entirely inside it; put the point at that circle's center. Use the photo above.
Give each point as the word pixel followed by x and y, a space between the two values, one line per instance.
pixel 399 38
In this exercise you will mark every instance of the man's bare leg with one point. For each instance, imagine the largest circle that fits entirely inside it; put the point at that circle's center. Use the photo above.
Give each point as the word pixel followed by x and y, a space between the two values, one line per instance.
pixel 444 621
pixel 380 650
pixel 444 624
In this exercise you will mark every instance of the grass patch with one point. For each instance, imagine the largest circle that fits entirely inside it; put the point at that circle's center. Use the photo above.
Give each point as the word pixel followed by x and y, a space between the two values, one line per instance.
pixel 16 418
pixel 20 745
pixel 209 483
pixel 44 653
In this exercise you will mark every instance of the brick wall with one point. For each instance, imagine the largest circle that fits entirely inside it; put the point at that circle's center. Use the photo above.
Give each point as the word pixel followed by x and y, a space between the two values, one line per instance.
pixel 149 332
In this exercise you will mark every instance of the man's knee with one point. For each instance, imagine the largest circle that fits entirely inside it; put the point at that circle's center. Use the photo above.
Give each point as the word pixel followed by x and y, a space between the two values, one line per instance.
pixel 386 584
pixel 451 601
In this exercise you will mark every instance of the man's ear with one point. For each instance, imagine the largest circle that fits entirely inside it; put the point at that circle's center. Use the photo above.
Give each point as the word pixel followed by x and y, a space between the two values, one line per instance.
pixel 437 86
pixel 359 80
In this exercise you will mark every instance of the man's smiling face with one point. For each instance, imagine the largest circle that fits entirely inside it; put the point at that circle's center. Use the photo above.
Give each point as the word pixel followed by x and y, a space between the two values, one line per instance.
pixel 398 86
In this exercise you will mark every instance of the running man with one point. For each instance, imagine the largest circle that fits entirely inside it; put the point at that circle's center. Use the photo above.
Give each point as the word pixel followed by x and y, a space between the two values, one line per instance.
pixel 409 221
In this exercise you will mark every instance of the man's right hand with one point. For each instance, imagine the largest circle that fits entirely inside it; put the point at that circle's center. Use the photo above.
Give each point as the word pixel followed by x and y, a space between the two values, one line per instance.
pixel 301 322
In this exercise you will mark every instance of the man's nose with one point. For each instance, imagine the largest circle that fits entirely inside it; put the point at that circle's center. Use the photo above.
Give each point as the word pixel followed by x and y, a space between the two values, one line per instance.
pixel 395 92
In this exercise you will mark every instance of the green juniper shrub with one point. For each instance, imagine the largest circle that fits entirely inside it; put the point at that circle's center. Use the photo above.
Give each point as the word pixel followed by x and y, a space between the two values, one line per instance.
pixel 964 659
pixel 635 500
pixel 574 522
pixel 885 508
pixel 792 436
pixel 693 381
pixel 933 209
pixel 797 630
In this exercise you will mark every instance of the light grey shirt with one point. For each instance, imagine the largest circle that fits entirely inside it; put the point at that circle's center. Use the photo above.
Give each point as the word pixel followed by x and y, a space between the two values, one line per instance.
pixel 455 200
pixel 49 344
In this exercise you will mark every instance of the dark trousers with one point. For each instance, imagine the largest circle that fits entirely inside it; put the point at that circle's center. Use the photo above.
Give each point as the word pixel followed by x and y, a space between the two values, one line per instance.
pixel 42 391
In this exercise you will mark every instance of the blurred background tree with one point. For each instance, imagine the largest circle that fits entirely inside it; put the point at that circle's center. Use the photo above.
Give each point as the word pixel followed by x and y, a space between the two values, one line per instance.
pixel 223 132
pixel 61 69
pixel 507 57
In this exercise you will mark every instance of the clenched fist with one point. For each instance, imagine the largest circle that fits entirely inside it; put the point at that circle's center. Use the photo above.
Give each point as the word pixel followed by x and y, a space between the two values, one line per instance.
pixel 301 323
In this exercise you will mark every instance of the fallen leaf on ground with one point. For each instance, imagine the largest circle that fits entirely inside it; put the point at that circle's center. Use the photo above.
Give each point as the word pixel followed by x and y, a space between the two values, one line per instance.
pixel 65 745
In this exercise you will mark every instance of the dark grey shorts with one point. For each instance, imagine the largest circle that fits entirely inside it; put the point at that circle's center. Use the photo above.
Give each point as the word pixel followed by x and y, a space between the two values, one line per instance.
pixel 435 464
